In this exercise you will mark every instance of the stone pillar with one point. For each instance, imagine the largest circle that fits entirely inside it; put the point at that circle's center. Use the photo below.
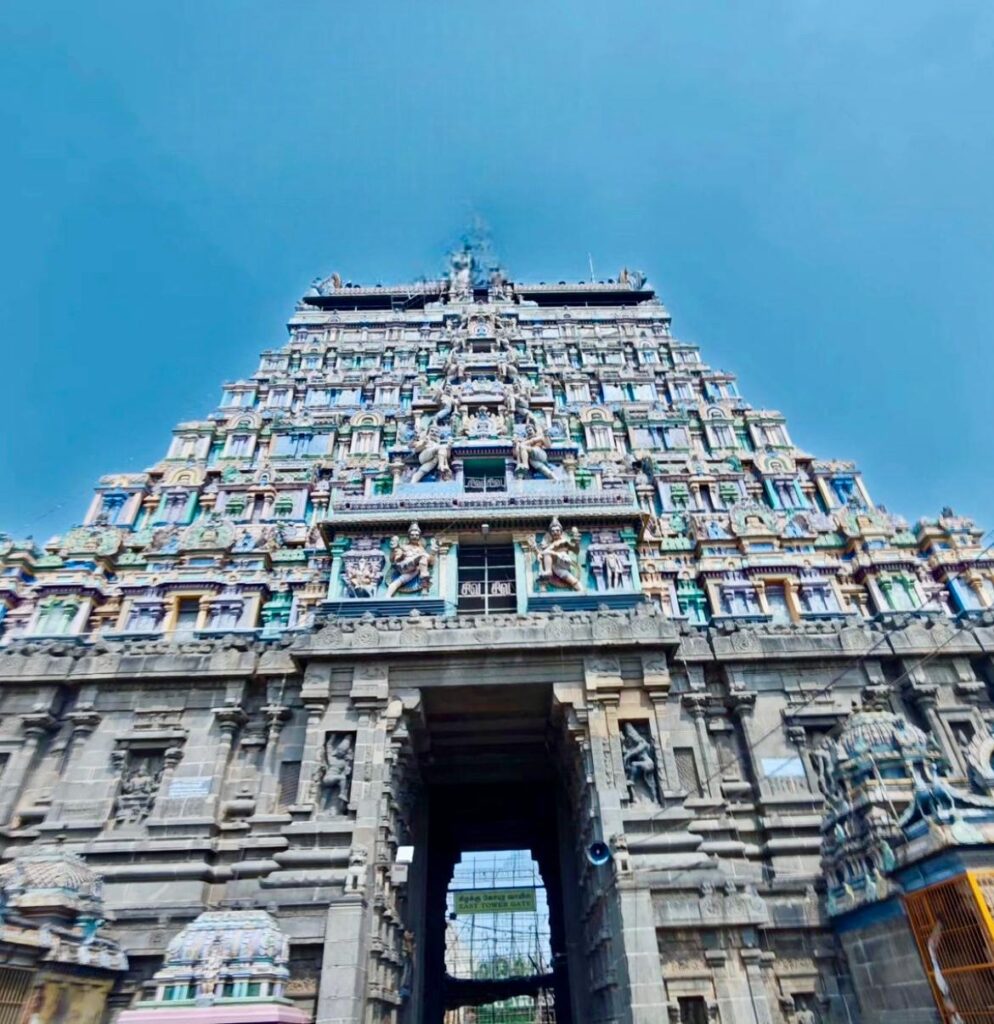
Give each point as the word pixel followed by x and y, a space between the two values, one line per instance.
pixel 84 721
pixel 925 698
pixel 343 967
pixel 319 507
pixel 276 717
pixel 741 702
pixel 96 504
pixel 337 548
pixel 603 684
pixel 631 969
pixel 447 569
pixel 797 736
pixel 230 719
pixel 696 704
pixel 656 682
pixel 752 960
pixel 311 756
pixel 58 760
pixel 35 725
pixel 646 991
pixel 172 758
pixel 345 983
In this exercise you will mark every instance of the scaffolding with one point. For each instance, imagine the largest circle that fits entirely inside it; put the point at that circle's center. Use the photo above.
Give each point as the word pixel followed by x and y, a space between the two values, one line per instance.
pixel 508 948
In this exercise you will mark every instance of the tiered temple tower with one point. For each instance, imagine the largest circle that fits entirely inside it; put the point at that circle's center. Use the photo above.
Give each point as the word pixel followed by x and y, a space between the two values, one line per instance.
pixel 475 564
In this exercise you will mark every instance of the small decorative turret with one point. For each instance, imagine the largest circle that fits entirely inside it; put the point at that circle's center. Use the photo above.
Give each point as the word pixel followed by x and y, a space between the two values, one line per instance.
pixel 219 966
pixel 52 916
pixel 888 803
pixel 52 885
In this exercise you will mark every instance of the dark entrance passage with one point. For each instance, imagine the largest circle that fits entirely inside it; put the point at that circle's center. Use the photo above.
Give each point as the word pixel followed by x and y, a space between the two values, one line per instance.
pixel 495 803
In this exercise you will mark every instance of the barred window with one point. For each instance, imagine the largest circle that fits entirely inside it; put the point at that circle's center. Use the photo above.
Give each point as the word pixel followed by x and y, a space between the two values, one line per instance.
pixel 289 780
pixel 486 578
pixel 686 770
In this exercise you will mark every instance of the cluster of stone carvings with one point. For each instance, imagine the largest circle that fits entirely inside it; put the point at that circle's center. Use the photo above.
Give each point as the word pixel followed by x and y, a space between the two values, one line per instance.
pixel 345 467
pixel 889 802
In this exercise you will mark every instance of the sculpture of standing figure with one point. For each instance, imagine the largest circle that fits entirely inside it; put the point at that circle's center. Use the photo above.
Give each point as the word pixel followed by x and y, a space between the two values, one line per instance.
pixel 461 276
pixel 557 556
pixel 507 361
pixel 615 570
pixel 448 401
pixel 211 967
pixel 334 775
pixel 412 560
pixel 639 761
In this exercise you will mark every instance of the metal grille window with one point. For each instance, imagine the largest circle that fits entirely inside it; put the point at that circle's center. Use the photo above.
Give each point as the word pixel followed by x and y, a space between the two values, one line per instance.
pixel 486 578
pixel 686 769
pixel 14 986
pixel 954 929
pixel 485 475
pixel 693 1010
pixel 289 780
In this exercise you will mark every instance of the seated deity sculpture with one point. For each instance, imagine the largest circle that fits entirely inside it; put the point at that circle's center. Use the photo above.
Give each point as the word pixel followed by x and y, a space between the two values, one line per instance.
pixel 412 561
pixel 557 556
pixel 530 451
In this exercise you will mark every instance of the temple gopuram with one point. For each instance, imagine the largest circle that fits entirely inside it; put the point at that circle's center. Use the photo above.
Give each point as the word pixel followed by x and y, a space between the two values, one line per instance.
pixel 485 658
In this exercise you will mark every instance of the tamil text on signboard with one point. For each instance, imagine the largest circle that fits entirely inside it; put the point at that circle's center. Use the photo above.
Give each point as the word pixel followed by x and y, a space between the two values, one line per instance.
pixel 494 901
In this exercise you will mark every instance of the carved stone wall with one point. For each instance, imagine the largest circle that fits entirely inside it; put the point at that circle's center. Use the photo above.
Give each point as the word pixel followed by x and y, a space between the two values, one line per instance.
pixel 715 889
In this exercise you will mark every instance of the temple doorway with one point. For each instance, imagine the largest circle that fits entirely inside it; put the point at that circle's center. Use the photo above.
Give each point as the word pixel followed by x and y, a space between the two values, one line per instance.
pixel 499 892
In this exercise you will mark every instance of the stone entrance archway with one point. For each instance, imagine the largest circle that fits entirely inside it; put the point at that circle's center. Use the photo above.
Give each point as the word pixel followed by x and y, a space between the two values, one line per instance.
pixel 495 773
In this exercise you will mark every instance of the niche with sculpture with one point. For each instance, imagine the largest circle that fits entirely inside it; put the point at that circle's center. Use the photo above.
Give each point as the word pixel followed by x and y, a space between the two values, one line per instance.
pixel 140 773
pixel 638 756
pixel 333 775
pixel 402 567
pixel 556 558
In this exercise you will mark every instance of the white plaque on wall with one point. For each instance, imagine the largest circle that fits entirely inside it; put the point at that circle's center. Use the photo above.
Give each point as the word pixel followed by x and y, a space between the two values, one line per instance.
pixel 182 789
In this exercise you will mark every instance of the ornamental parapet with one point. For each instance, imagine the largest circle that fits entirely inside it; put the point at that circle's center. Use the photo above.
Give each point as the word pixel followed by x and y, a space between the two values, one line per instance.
pixel 450 503
pixel 334 637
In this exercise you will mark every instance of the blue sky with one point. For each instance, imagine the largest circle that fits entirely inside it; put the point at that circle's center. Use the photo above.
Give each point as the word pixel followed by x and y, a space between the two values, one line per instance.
pixel 810 186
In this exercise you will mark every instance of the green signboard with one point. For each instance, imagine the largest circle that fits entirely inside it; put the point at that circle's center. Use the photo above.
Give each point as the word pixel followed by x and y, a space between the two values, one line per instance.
pixel 494 901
